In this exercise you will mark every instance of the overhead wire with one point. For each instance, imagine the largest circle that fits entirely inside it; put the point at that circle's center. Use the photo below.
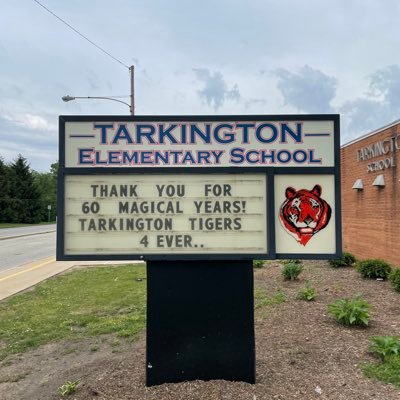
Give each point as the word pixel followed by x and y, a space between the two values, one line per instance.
pixel 80 34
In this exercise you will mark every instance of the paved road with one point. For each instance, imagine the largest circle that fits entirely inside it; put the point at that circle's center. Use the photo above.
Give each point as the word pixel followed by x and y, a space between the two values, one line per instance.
pixel 26 230
pixel 27 260
pixel 22 250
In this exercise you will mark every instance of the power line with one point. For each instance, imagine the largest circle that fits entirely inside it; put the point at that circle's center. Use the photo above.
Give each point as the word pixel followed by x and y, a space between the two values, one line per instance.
pixel 80 34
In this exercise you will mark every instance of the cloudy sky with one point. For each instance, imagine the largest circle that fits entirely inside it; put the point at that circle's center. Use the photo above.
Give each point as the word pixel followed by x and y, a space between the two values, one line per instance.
pixel 195 57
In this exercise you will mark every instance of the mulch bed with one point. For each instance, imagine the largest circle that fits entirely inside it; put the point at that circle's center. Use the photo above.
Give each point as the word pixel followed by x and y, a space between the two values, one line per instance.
pixel 301 352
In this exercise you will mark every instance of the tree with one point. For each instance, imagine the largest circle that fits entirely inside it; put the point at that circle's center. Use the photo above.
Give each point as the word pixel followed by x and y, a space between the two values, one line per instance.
pixel 26 202
pixel 47 186
pixel 5 192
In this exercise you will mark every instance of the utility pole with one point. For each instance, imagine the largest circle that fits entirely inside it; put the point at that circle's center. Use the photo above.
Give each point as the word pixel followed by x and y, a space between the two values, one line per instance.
pixel 132 74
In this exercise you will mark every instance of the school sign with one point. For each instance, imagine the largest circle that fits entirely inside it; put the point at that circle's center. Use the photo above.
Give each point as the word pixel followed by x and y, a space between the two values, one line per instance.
pixel 211 187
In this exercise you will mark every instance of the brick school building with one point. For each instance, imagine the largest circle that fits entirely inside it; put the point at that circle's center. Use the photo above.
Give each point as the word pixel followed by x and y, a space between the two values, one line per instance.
pixel 370 187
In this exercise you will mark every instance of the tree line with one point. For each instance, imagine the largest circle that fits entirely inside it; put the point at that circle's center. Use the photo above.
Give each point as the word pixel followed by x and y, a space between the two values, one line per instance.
pixel 25 195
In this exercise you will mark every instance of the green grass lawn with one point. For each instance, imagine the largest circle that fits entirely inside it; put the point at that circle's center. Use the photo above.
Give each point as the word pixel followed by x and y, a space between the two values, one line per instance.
pixel 81 303
pixel 262 298
pixel 105 300
pixel 387 371
pixel 4 225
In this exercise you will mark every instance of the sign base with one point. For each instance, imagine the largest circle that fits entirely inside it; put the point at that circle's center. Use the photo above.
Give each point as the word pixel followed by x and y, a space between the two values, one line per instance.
pixel 200 321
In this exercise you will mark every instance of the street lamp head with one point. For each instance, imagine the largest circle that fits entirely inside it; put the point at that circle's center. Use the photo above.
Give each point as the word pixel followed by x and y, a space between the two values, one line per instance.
pixel 68 98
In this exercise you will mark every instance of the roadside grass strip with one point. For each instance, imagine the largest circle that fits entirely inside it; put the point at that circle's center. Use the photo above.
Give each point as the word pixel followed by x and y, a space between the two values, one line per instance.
pixel 81 303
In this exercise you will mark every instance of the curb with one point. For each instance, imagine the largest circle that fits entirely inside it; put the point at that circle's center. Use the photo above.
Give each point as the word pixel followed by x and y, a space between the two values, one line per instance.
pixel 26 234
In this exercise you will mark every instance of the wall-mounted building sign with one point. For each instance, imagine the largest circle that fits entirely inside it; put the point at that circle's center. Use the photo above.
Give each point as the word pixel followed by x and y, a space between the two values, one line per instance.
pixel 198 187
pixel 384 149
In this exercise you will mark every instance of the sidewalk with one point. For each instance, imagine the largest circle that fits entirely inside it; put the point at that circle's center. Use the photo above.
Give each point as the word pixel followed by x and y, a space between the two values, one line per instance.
pixel 20 278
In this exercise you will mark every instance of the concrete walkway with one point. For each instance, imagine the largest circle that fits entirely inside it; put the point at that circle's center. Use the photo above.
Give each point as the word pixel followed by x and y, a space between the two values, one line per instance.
pixel 20 278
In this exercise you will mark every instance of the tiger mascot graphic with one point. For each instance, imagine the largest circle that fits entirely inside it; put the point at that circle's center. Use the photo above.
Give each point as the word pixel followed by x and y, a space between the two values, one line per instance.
pixel 304 213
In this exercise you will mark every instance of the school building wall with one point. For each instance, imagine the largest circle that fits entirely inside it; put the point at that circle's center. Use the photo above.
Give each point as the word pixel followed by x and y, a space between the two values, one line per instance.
pixel 371 216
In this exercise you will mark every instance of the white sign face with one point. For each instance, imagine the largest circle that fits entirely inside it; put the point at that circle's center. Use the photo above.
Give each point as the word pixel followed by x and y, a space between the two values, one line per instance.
pixel 165 214
pixel 305 214
pixel 301 143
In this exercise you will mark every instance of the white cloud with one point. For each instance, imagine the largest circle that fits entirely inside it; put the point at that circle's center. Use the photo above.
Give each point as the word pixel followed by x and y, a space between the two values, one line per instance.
pixel 215 90
pixel 31 122
pixel 379 106
pixel 309 90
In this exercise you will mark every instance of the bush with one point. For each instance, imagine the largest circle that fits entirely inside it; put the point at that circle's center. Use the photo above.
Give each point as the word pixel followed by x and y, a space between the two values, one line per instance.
pixel 68 388
pixel 385 346
pixel 346 260
pixel 350 311
pixel 374 269
pixel 258 263
pixel 337 263
pixel 394 278
pixel 349 258
pixel 291 271
pixel 308 294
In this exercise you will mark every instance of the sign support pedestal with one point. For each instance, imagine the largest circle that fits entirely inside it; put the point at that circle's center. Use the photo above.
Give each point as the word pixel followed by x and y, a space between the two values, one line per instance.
pixel 200 321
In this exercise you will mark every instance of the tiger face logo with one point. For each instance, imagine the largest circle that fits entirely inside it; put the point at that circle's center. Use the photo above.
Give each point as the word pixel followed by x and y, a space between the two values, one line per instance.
pixel 304 213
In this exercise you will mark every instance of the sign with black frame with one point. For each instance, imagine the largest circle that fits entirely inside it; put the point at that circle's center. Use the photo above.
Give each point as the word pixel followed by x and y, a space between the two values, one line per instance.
pixel 199 187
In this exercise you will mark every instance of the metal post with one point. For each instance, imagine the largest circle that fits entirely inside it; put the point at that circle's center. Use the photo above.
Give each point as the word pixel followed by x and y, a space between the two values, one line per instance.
pixel 132 74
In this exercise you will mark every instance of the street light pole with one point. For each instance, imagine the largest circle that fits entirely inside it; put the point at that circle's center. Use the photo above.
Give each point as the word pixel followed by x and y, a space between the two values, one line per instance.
pixel 132 95
pixel 132 75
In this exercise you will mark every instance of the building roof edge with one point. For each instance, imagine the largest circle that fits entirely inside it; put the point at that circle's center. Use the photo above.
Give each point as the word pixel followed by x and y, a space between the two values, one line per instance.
pixel 371 133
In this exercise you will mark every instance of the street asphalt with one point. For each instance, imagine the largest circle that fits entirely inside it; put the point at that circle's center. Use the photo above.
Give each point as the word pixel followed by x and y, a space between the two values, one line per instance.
pixel 27 257
pixel 26 230
pixel 20 249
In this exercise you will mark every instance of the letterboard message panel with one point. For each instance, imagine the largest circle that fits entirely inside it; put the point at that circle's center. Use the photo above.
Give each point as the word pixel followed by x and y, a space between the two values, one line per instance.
pixel 199 187
pixel 157 214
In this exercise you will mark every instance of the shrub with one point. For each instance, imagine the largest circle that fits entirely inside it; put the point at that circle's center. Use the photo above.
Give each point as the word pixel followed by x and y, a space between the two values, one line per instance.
pixel 374 269
pixel 350 311
pixel 258 263
pixel 337 263
pixel 308 293
pixel 394 278
pixel 68 388
pixel 385 346
pixel 346 260
pixel 349 258
pixel 291 271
